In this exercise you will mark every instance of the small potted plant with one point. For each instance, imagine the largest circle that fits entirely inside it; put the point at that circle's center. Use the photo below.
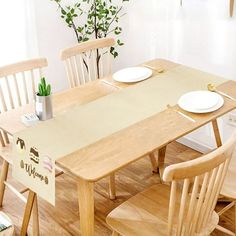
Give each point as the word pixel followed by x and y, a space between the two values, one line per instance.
pixel 43 104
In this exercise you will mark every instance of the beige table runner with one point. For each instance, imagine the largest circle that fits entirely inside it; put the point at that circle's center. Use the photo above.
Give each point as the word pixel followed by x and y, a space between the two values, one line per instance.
pixel 86 124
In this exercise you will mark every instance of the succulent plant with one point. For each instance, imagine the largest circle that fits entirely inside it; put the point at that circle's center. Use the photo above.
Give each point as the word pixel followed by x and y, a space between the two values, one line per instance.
pixel 44 89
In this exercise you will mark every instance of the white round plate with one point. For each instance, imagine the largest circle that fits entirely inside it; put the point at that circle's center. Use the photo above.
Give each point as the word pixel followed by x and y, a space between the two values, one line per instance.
pixel 201 101
pixel 132 74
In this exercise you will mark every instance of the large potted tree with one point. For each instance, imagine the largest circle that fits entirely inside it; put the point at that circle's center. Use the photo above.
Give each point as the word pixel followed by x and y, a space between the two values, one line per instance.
pixel 94 19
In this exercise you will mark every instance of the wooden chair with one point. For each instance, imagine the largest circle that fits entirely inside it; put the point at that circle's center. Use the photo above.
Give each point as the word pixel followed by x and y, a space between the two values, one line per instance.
pixel 17 87
pixel 229 191
pixel 174 210
pixel 83 66
pixel 88 61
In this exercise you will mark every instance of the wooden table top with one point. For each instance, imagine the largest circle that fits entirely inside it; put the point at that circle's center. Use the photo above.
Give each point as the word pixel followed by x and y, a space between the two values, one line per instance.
pixel 10 121
pixel 128 145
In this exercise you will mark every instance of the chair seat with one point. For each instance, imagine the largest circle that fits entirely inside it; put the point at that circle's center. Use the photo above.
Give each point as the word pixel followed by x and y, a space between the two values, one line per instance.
pixel 146 214
pixel 9 231
pixel 7 153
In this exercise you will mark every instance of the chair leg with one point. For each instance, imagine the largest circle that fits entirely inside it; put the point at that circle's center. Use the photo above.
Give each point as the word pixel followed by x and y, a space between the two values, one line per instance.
pixel 224 230
pixel 2 140
pixel 222 211
pixel 6 137
pixel 112 187
pixel 114 233
pixel 153 162
pixel 35 218
pixel 3 177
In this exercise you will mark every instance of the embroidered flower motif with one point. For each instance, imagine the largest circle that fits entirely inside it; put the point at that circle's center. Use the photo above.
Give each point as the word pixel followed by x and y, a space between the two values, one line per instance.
pixel 47 163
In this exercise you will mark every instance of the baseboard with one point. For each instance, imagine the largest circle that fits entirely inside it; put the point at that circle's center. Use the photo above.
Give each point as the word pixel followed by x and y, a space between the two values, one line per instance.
pixel 195 145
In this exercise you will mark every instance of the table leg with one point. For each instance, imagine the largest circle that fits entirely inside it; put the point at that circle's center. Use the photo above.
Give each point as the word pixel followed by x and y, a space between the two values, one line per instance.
pixel 153 162
pixel 112 187
pixel 27 213
pixel 35 217
pixel 161 161
pixel 216 133
pixel 86 207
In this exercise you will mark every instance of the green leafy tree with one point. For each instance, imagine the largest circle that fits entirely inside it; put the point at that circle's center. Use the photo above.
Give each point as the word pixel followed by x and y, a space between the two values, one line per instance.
pixel 101 19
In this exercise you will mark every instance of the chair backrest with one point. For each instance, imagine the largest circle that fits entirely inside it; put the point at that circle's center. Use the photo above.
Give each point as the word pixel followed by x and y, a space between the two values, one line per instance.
pixel 194 209
pixel 88 61
pixel 17 84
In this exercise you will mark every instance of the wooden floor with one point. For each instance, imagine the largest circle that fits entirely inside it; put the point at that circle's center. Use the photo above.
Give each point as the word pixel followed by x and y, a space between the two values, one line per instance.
pixel 64 218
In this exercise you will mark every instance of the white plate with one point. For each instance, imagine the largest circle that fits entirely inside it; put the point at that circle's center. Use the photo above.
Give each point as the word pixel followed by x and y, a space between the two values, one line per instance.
pixel 201 102
pixel 132 74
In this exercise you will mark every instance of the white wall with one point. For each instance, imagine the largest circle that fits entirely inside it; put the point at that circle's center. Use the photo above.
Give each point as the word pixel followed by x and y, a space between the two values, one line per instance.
pixel 145 32
pixel 52 36
pixel 202 35
pixel 13 33
pixel 145 28
pixel 199 34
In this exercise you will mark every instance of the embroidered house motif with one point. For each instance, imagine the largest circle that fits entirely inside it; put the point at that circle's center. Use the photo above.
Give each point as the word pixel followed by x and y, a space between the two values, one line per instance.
pixel 34 155
pixel 20 144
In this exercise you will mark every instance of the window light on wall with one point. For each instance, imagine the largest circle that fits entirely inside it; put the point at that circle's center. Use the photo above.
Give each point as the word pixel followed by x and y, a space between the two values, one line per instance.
pixel 231 7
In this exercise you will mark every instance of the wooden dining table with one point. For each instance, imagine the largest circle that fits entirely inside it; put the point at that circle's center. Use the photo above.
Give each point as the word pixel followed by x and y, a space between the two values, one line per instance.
pixel 109 154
